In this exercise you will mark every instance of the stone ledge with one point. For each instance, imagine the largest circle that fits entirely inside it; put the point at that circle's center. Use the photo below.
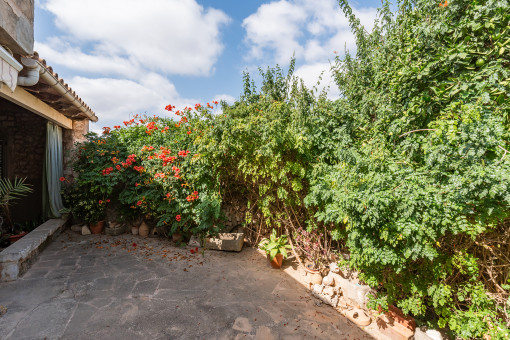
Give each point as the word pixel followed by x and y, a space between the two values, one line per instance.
pixel 17 258
pixel 226 242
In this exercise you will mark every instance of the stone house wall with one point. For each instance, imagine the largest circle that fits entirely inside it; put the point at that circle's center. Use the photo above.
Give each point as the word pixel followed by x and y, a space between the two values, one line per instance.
pixel 17 25
pixel 70 138
pixel 23 135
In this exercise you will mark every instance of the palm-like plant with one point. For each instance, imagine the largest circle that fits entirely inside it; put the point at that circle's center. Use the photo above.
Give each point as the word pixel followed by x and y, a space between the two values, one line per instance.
pixel 10 191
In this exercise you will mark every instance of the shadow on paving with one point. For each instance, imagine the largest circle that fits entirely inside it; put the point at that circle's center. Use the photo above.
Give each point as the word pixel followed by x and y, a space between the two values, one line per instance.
pixel 84 287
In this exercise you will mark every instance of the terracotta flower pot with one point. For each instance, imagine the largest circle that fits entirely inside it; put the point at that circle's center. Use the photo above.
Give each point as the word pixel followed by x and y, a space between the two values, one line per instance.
pixel 96 228
pixel 276 263
pixel 14 238
pixel 143 230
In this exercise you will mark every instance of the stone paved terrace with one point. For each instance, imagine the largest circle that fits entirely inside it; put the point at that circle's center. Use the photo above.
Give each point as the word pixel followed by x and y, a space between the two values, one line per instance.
pixel 90 287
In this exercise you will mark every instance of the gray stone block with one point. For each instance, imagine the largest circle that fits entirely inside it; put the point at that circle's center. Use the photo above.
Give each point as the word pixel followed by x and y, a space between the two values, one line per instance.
pixel 421 335
pixel 357 293
pixel 226 242
pixel 115 229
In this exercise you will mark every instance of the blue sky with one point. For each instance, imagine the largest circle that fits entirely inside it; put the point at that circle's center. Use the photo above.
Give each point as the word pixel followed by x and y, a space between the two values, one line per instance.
pixel 128 56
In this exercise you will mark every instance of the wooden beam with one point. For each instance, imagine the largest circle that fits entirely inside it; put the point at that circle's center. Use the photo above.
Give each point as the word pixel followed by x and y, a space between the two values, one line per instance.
pixel 26 100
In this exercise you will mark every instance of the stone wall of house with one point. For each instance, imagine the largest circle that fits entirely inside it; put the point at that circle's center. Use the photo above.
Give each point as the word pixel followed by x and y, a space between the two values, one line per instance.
pixel 24 139
pixel 69 139
pixel 17 25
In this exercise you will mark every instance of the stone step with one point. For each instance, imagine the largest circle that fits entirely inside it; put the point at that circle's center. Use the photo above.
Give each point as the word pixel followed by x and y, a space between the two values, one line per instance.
pixel 17 258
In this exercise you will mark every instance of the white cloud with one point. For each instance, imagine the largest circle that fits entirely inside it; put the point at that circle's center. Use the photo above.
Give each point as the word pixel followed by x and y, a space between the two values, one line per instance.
pixel 228 98
pixel 115 100
pixel 275 26
pixel 311 73
pixel 172 37
pixel 125 50
pixel 312 30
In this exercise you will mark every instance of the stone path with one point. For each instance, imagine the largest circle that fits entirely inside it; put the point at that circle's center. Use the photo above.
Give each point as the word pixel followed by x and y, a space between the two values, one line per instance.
pixel 125 287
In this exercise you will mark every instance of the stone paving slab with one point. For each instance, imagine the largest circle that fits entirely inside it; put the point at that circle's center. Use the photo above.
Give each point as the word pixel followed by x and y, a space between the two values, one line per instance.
pixel 125 287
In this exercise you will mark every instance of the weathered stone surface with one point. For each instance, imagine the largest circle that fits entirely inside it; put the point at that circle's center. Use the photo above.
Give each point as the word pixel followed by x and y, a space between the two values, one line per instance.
pixel 85 230
pixel 96 289
pixel 313 278
pixel 328 280
pixel 226 242
pixel 317 289
pixel 194 242
pixel 17 25
pixel 421 335
pixel 358 294
pixel 114 229
pixel 329 291
pixel 17 258
pixel 333 267
pixel 76 227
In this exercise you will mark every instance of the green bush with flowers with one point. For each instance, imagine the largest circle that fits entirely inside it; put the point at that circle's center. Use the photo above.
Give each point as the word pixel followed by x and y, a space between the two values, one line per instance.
pixel 150 168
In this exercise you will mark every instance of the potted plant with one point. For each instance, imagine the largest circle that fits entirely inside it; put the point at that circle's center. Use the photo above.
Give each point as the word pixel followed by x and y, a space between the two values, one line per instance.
pixel 85 205
pixel 10 191
pixel 275 248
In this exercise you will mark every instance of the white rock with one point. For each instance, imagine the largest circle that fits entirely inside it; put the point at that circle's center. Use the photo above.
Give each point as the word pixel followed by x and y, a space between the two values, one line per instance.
pixel 85 230
pixel 333 267
pixel 435 335
pixel 194 242
pixel 328 280
pixel 329 291
pixel 317 289
pixel 358 294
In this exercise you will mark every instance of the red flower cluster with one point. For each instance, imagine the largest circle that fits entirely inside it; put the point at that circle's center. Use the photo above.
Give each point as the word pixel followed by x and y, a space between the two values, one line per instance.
pixel 159 175
pixel 197 106
pixel 115 160
pixel 104 202
pixel 129 122
pixel 192 197
pixel 176 170
pixel 169 108
pixel 215 102
pixel 183 153
pixel 62 179
pixel 106 130
pixel 129 161
pixel 107 171
pixel 150 127
pixel 140 169
pixel 193 251
pixel 178 218
pixel 443 4
pixel 116 126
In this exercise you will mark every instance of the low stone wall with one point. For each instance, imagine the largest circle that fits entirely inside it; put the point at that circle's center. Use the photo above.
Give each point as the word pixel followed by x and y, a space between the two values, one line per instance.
pixel 17 258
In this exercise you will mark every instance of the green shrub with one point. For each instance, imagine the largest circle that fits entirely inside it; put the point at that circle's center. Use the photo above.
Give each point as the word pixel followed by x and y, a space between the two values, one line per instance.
pixel 423 171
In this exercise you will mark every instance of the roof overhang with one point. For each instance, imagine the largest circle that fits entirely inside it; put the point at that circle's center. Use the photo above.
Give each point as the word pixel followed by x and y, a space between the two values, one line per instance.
pixel 28 101
pixel 53 91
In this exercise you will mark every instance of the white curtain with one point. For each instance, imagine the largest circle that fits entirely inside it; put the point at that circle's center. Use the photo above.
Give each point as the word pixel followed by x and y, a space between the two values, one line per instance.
pixel 53 170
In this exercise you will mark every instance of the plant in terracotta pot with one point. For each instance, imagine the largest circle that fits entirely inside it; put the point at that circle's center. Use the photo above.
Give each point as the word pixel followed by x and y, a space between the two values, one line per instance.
pixel 275 248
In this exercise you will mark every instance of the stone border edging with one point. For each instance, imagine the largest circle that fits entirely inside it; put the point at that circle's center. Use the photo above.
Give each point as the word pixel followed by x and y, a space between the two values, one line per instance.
pixel 17 258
